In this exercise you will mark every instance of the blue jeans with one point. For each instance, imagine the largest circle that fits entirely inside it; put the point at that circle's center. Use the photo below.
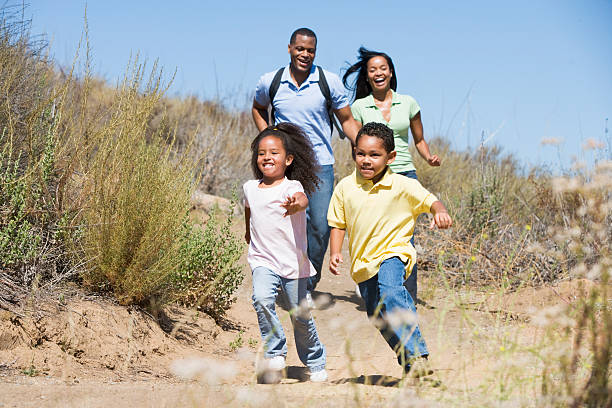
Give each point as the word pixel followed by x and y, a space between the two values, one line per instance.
pixel 317 229
pixel 266 286
pixel 411 282
pixel 385 294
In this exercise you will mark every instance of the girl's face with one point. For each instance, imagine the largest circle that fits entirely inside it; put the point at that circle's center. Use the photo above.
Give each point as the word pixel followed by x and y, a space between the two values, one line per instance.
pixel 379 73
pixel 272 158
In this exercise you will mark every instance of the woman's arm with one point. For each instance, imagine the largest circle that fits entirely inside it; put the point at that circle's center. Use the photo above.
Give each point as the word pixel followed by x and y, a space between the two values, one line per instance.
pixel 416 127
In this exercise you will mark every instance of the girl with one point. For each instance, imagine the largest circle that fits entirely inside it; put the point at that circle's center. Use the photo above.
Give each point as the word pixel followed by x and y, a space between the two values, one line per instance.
pixel 283 162
pixel 377 101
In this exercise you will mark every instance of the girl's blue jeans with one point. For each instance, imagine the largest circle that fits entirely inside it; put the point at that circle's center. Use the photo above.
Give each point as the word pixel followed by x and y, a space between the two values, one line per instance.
pixel 266 287
pixel 411 282
pixel 385 295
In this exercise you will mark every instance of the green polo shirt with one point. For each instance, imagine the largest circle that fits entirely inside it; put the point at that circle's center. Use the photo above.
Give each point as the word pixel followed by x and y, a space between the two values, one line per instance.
pixel 403 109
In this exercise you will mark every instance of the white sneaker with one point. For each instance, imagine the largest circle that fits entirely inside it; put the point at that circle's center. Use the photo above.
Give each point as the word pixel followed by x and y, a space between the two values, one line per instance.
pixel 309 302
pixel 276 363
pixel 318 376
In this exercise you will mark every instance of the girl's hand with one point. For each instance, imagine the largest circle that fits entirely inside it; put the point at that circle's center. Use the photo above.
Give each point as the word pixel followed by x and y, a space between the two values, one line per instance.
pixel 295 203
pixel 442 220
pixel 334 263
pixel 434 160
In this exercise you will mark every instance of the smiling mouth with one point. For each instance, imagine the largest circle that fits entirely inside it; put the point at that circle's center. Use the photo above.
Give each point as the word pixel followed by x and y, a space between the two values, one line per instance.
pixel 379 81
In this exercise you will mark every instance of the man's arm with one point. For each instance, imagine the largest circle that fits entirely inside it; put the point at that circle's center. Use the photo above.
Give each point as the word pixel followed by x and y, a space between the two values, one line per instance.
pixel 260 115
pixel 349 125
pixel 336 238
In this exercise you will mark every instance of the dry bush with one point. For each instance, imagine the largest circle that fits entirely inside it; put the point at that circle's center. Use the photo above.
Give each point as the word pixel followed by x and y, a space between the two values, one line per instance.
pixel 33 225
pixel 209 130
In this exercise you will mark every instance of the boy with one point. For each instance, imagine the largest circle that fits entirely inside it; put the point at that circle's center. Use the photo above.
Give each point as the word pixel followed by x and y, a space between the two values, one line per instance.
pixel 378 209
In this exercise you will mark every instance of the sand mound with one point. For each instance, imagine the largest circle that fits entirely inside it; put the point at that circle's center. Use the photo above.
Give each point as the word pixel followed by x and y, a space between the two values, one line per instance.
pixel 102 338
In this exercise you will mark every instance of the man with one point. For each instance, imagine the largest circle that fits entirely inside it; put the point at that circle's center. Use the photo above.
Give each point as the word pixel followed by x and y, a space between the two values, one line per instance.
pixel 299 100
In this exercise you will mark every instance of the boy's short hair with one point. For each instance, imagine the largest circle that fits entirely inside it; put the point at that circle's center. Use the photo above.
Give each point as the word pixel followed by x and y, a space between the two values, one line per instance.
pixel 379 130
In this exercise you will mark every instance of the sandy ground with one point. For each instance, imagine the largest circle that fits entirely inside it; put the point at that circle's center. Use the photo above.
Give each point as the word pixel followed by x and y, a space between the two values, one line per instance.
pixel 89 352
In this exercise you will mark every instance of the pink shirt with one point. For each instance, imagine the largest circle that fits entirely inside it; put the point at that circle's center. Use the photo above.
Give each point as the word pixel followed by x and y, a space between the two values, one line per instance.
pixel 277 243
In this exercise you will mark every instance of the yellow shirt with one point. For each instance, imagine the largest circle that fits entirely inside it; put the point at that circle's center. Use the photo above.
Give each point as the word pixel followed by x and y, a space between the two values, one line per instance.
pixel 379 219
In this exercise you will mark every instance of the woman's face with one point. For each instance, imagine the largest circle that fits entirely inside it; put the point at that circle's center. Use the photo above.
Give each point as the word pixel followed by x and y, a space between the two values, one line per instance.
pixel 379 73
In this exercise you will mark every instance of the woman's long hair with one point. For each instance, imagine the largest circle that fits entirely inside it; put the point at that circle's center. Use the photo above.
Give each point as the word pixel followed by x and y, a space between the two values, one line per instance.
pixel 304 167
pixel 361 88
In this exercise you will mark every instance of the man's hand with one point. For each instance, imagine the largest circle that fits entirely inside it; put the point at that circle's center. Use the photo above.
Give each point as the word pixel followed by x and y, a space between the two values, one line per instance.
pixel 295 203
pixel 335 260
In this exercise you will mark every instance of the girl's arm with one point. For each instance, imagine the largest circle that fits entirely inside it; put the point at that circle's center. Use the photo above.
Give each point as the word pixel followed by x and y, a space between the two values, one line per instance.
pixel 440 216
pixel 296 203
pixel 247 223
pixel 336 238
pixel 416 127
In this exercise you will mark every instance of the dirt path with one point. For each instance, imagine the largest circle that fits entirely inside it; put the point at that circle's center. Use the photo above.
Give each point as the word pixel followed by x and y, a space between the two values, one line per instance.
pixel 469 335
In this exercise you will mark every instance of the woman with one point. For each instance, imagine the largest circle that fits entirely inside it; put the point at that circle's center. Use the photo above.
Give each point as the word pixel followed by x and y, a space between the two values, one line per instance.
pixel 377 101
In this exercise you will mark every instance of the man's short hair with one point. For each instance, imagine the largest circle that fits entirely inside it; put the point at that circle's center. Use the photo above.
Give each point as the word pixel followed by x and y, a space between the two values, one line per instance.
pixel 380 131
pixel 302 31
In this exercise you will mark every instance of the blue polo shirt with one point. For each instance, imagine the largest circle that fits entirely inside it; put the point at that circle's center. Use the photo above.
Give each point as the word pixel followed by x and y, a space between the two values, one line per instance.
pixel 305 106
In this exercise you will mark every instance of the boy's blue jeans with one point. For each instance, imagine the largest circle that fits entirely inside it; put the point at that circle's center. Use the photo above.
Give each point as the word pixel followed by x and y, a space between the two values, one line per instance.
pixel 411 282
pixel 385 294
pixel 266 287
pixel 317 229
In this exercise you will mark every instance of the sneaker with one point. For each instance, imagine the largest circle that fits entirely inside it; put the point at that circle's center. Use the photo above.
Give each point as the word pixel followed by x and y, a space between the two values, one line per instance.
pixel 309 302
pixel 418 368
pixel 318 376
pixel 276 363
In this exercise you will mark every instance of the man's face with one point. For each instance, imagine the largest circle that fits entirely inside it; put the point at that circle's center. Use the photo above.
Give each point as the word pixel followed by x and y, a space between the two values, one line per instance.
pixel 302 53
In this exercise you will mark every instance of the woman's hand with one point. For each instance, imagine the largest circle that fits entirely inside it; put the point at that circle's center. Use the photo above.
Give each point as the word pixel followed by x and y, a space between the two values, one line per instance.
pixel 434 160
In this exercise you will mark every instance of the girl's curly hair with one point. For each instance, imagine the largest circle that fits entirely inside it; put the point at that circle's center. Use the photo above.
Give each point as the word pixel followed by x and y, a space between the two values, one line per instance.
pixel 304 167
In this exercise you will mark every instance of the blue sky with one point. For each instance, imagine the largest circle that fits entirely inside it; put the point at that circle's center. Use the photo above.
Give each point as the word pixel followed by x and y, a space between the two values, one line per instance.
pixel 521 70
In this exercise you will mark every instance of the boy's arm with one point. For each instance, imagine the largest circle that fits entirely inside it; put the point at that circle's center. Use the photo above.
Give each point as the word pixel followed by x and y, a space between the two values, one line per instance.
pixel 247 223
pixel 440 216
pixel 295 203
pixel 336 238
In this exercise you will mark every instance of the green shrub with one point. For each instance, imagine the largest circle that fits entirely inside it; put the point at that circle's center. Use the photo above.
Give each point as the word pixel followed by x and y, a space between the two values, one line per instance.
pixel 209 272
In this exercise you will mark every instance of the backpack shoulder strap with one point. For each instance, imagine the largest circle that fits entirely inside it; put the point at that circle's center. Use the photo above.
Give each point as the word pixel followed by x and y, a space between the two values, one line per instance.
pixel 273 89
pixel 324 86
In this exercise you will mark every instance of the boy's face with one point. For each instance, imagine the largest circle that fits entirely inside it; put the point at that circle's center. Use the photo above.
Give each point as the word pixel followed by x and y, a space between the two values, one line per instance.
pixel 372 158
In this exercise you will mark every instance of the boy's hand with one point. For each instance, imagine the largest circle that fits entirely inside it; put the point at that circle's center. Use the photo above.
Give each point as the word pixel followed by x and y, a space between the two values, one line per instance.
pixel 295 204
pixel 334 263
pixel 442 220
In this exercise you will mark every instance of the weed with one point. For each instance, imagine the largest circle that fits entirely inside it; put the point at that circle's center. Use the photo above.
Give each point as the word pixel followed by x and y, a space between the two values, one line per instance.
pixel 208 271
pixel 238 342
pixel 252 342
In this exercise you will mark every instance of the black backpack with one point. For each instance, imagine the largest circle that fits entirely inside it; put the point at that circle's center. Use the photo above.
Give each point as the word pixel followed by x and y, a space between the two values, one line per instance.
pixel 323 86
